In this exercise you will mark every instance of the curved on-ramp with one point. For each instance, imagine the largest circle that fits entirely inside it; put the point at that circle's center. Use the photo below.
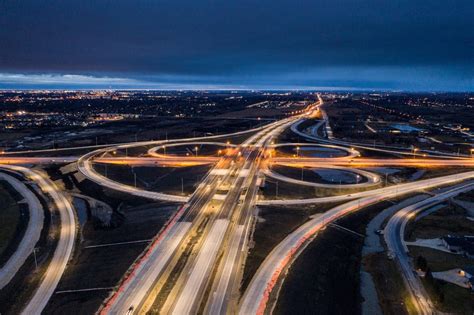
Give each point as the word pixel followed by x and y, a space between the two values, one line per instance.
pixel 64 247
pixel 394 238
pixel 32 233
pixel 255 298
pixel 372 179
pixel 85 165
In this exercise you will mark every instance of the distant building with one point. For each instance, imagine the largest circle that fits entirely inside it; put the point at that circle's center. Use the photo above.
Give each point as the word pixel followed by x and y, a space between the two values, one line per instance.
pixel 463 245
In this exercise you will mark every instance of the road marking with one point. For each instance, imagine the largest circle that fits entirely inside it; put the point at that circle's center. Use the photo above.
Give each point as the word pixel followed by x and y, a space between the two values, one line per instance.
pixel 219 171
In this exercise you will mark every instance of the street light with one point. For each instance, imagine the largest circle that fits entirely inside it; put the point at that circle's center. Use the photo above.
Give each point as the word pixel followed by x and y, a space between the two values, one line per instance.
pixel 164 149
pixel 196 149
pixel 414 151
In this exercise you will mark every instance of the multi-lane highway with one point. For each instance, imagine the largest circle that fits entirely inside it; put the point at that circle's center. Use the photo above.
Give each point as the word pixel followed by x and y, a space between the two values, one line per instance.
pixel 211 214
pixel 195 264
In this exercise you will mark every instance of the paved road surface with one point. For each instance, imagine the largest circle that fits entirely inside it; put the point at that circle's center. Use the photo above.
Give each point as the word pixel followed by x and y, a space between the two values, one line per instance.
pixel 65 244
pixel 32 233
pixel 394 237
pixel 257 294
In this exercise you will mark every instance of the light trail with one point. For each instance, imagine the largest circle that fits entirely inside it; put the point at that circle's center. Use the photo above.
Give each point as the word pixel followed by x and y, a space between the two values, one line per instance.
pixel 65 244
pixel 31 235
pixel 394 235
pixel 256 296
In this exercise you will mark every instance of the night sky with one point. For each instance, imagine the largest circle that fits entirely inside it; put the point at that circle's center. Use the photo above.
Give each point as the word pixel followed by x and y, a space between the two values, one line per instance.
pixel 263 44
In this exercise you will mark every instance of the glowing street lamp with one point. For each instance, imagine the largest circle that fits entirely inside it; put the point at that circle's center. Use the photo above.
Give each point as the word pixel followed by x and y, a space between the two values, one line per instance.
pixel 414 151
pixel 297 151
pixel 196 149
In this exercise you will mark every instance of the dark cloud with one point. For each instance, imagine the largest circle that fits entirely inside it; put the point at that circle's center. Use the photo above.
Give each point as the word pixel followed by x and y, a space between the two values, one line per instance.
pixel 240 41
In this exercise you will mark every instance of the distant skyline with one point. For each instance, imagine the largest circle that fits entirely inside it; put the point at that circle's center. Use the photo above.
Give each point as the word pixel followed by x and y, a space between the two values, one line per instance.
pixel 267 44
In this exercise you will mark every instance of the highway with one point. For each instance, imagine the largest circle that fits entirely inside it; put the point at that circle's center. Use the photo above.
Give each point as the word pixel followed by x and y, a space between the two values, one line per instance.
pixel 65 244
pixel 214 219
pixel 380 148
pixel 351 153
pixel 195 263
pixel 37 160
pixel 394 235
pixel 32 232
pixel 155 150
pixel 85 164
pixel 255 298
pixel 190 288
pixel 168 160
pixel 366 162
pixel 158 258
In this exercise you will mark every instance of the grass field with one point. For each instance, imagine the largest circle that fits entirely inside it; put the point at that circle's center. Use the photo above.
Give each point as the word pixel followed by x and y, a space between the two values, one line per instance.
pixel 9 216
pixel 325 278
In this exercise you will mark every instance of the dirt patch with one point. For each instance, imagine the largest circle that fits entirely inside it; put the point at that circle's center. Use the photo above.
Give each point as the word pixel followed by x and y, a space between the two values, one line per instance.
pixel 103 267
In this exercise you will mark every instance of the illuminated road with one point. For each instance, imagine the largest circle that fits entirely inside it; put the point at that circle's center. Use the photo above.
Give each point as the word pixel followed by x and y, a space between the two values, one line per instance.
pixel 65 244
pixel 380 148
pixel 169 160
pixel 85 164
pixel 394 235
pixel 256 296
pixel 32 233
pixel 191 286
pixel 37 160
pixel 237 170
pixel 365 162
pixel 195 264
pixel 371 178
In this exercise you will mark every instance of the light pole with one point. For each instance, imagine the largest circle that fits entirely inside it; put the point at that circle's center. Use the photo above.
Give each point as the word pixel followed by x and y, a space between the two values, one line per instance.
pixel 34 255
pixel 164 150
pixel 414 152
pixel 196 149
pixel 297 151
